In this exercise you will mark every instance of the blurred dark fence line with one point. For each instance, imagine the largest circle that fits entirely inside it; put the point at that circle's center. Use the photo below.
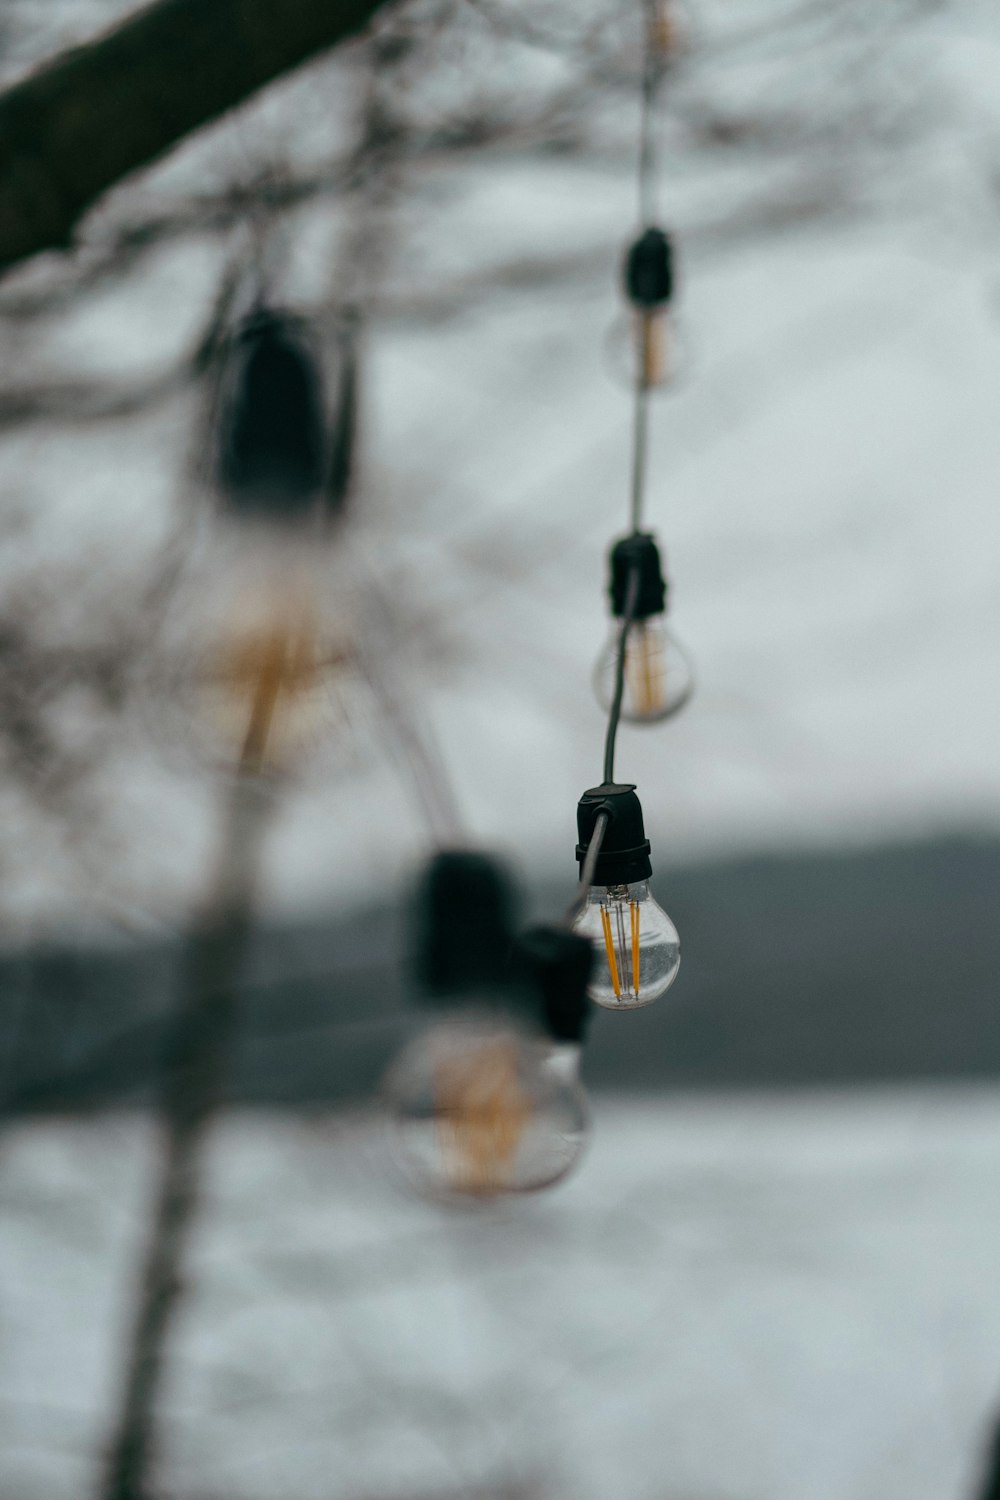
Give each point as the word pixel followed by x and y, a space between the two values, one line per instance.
pixel 869 966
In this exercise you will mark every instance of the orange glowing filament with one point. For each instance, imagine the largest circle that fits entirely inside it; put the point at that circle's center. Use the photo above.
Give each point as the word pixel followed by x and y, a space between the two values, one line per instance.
pixel 635 946
pixel 663 32
pixel 264 687
pixel 653 347
pixel 618 964
pixel 482 1110
pixel 646 670
pixel 609 944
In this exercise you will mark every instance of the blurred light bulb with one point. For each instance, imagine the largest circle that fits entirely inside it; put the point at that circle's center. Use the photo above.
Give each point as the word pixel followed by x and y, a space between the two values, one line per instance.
pixel 481 1107
pixel 261 689
pixel 659 678
pixel 650 348
pixel 637 950
pixel 652 357
pixel 666 30
pixel 253 665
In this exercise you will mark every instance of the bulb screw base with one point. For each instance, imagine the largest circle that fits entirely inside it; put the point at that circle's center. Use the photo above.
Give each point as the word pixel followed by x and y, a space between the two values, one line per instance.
pixel 624 854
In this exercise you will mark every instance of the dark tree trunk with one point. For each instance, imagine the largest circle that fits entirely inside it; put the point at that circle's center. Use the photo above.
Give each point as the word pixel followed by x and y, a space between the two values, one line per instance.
pixel 84 121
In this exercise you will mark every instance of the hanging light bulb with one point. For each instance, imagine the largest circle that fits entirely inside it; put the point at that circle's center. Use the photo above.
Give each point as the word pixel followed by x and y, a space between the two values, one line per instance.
pixel 482 1107
pixel 272 444
pixel 658 675
pixel 256 655
pixel 636 946
pixel 649 286
pixel 665 30
pixel 484 1103
pixel 256 647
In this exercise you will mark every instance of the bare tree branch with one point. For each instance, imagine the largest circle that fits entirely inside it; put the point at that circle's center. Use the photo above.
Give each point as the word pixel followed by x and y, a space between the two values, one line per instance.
pixel 74 128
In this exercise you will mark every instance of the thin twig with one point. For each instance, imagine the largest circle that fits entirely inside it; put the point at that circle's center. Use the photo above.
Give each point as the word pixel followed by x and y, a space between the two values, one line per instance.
pixel 194 1073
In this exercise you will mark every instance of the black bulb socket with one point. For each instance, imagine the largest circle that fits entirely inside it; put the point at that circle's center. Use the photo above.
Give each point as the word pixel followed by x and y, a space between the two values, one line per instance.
pixel 624 854
pixel 558 964
pixel 465 921
pixel 272 443
pixel 639 554
pixel 649 270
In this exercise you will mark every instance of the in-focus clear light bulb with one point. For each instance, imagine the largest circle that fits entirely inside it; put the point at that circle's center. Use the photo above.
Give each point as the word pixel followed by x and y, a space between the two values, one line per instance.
pixel 637 950
pixel 482 1107
pixel 658 676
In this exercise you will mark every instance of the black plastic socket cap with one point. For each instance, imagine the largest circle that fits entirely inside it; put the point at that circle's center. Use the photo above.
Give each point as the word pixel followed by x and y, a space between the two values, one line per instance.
pixel 649 270
pixel 624 854
pixel 272 443
pixel 637 553
pixel 466 912
pixel 559 963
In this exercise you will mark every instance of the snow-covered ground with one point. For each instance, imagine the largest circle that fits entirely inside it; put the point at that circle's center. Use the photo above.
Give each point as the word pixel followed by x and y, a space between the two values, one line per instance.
pixel 735 1299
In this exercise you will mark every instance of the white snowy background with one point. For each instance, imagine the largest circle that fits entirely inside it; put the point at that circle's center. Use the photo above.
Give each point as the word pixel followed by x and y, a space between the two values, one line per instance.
pixel 764 1300
pixel 733 1300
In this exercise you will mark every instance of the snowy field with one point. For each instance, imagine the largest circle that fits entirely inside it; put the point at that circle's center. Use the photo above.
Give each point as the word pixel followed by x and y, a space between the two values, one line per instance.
pixel 735 1299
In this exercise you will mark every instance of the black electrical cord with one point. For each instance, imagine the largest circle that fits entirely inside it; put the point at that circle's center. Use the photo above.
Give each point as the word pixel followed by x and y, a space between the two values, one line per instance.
pixel 587 868
pixel 593 851
pixel 652 74
pixel 614 714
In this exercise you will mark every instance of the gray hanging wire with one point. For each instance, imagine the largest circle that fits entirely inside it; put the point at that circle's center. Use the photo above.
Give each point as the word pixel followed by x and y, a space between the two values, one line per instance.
pixel 614 714
pixel 587 869
pixel 601 825
pixel 653 70
pixel 640 450
pixel 652 74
